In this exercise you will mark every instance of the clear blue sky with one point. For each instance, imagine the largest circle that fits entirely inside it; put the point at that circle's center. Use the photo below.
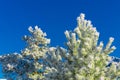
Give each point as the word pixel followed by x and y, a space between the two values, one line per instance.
pixel 54 17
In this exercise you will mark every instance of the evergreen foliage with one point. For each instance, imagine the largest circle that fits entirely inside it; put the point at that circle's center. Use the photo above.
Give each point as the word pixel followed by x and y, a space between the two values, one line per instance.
pixel 83 59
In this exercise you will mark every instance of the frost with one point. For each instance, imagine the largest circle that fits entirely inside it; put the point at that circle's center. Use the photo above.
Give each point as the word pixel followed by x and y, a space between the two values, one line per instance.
pixel 84 58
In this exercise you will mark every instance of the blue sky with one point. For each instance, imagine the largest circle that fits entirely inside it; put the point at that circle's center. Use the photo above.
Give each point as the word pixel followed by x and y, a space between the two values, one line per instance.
pixel 54 17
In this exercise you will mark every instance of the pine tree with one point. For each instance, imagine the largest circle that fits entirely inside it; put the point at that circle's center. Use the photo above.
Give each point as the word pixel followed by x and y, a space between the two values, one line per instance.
pixel 83 59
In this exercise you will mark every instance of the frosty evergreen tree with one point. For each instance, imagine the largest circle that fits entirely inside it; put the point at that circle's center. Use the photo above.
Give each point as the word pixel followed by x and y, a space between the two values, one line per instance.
pixel 84 58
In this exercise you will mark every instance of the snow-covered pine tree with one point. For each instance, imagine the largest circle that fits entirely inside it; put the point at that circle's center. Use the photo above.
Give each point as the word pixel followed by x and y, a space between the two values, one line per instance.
pixel 83 59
